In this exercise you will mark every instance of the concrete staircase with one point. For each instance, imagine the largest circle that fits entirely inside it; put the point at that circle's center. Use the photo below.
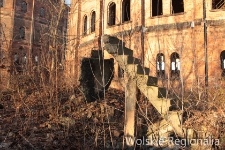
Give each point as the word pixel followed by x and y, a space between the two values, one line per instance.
pixel 147 84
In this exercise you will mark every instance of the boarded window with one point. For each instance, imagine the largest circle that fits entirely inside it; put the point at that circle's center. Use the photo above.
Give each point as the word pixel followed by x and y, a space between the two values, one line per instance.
pixel 218 4
pixel 85 25
pixel 93 21
pixel 24 7
pixel 1 3
pixel 112 14
pixel 42 12
pixel 126 10
pixel 157 8
pixel 160 63
pixel 175 65
pixel 22 32
pixel 177 6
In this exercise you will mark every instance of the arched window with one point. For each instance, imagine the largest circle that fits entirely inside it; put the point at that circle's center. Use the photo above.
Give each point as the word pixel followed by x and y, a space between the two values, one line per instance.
pixel 22 32
pixel 126 10
pixel 85 25
pixel 177 6
pixel 175 65
pixel 1 3
pixel 160 62
pixel 42 12
pixel 157 8
pixel 24 6
pixel 112 14
pixel 93 21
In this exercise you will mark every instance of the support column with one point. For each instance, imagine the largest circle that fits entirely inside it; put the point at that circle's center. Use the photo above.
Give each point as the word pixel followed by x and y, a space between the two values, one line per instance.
pixel 130 111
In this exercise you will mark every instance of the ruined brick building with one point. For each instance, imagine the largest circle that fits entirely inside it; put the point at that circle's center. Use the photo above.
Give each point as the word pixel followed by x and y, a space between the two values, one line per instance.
pixel 30 33
pixel 180 41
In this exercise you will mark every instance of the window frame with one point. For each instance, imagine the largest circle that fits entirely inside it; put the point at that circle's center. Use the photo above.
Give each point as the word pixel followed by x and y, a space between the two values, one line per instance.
pixel 24 9
pixel 22 35
pixel 93 20
pixel 175 65
pixel 42 12
pixel 123 11
pixel 160 64
pixel 111 18
pixel 85 26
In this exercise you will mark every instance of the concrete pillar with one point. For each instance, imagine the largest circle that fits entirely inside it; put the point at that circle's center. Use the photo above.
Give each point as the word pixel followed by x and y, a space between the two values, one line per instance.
pixel 130 111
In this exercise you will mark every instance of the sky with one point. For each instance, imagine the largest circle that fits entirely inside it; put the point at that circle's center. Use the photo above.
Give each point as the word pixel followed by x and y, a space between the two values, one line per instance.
pixel 67 1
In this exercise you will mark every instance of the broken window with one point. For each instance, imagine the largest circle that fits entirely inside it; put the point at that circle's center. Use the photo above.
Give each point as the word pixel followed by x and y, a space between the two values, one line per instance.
pixel 177 6
pixel 218 4
pixel 112 14
pixel 22 32
pixel 157 8
pixel 126 10
pixel 160 62
pixel 93 21
pixel 85 25
pixel 1 3
pixel 24 6
pixel 175 65
pixel 222 59
pixel 42 12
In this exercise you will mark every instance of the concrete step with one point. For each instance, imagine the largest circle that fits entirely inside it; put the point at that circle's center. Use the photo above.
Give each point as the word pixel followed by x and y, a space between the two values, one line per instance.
pixel 134 69
pixel 127 59
pixel 146 80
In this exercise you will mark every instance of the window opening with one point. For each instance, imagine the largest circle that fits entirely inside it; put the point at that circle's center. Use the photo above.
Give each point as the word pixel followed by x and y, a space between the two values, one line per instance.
pixel 42 12
pixel 22 32
pixel 85 25
pixel 112 14
pixel 160 62
pixel 1 3
pixel 177 6
pixel 93 21
pixel 218 4
pixel 24 7
pixel 175 65
pixel 157 8
pixel 126 10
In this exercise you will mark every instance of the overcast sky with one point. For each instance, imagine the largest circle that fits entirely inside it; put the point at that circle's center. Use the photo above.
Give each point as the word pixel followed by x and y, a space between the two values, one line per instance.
pixel 67 1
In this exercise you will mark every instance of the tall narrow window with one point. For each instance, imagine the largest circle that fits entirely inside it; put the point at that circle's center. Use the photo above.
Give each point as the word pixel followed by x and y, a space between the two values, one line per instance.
pixel 157 8
pixel 160 63
pixel 218 4
pixel 177 6
pixel 22 32
pixel 42 12
pixel 112 14
pixel 24 6
pixel 1 3
pixel 93 21
pixel 126 10
pixel 85 25
pixel 222 59
pixel 175 65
